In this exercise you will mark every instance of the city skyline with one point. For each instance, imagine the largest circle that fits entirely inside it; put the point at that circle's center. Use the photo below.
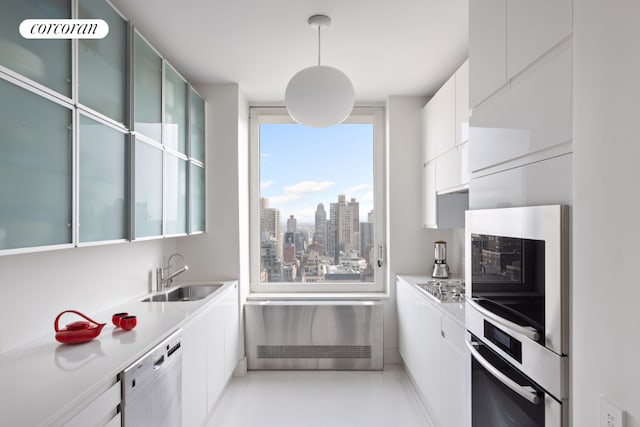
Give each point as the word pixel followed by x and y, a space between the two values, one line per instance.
pixel 301 167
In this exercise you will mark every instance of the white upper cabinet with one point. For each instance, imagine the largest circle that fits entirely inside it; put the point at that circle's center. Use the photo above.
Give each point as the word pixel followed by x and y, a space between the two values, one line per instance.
pixel 487 48
pixel 506 36
pixel 429 198
pixel 462 104
pixel 532 115
pixel 441 117
pixel 534 28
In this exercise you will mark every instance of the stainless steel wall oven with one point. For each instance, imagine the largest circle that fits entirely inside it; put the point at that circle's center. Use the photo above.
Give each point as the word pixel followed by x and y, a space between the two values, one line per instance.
pixel 517 317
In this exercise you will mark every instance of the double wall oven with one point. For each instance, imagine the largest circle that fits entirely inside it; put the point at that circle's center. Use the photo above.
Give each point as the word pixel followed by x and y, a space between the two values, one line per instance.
pixel 517 316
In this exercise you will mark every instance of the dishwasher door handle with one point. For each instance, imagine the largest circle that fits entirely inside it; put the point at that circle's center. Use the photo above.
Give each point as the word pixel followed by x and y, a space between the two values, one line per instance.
pixel 158 363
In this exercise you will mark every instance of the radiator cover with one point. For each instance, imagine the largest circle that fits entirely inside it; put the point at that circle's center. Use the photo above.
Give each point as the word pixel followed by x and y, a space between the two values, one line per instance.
pixel 310 335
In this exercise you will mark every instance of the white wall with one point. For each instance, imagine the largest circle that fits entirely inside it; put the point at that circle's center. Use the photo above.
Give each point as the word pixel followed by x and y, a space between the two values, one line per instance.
pixel 410 247
pixel 606 244
pixel 38 286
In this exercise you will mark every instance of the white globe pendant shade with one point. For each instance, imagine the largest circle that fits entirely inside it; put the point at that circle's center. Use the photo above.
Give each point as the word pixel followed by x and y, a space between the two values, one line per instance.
pixel 319 96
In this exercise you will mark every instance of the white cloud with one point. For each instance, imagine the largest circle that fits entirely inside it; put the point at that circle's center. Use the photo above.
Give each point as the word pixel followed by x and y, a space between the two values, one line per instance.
pixel 300 190
pixel 265 184
pixel 367 197
pixel 265 155
pixel 358 189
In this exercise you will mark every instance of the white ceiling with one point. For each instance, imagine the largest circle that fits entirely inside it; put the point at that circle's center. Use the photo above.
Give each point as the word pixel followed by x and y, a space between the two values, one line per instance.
pixel 399 47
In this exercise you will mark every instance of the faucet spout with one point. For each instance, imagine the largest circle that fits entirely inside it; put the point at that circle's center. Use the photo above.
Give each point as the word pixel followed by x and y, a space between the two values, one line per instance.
pixel 161 281
pixel 174 274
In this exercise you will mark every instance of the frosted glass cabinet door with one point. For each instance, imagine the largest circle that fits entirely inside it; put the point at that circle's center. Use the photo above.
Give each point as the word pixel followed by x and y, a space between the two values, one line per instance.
pixel 102 177
pixel 35 170
pixel 102 63
pixel 175 195
pixel 148 190
pixel 147 89
pixel 197 126
pixel 175 111
pixel 47 62
pixel 197 198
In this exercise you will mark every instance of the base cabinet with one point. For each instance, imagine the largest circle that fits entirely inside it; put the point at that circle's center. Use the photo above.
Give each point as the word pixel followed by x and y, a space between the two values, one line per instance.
pixel 208 353
pixel 431 346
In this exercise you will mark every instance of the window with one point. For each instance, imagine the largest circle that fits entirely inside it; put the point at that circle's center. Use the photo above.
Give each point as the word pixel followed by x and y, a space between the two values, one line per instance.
pixel 317 203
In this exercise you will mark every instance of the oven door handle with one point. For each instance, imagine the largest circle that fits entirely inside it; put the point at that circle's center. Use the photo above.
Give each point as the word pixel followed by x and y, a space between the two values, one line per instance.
pixel 525 391
pixel 528 331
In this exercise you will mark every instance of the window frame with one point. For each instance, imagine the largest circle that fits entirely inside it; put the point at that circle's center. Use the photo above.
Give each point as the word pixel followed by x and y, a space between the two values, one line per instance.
pixel 277 115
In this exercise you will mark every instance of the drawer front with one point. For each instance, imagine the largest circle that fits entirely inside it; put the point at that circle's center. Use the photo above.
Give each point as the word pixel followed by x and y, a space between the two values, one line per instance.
pixel 97 411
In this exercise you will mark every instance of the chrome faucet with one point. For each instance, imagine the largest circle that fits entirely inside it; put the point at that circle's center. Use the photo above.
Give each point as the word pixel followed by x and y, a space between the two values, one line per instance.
pixel 165 282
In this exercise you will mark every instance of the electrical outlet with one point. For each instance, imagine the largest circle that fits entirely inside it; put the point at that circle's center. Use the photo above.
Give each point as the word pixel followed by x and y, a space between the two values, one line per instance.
pixel 610 416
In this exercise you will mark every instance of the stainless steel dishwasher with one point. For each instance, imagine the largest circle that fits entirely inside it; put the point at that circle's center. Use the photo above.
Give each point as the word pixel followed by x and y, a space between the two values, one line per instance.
pixel 152 386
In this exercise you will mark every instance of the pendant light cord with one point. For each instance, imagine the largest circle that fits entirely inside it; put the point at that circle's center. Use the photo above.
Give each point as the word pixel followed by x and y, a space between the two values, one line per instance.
pixel 318 45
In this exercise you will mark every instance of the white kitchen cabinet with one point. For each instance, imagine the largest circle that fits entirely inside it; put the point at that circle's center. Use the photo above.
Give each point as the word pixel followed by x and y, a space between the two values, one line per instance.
pixel 531 115
pixel 216 377
pixel 444 210
pixel 430 375
pixel 534 28
pixel 453 367
pixel 441 116
pixel 448 170
pixel 428 150
pixel 206 368
pixel 462 104
pixel 432 347
pixel 445 121
pixel 195 340
pixel 487 49
pixel 429 201
pixel 229 303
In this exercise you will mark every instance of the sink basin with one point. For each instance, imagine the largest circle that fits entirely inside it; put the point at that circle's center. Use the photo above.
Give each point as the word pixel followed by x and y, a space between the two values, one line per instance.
pixel 184 293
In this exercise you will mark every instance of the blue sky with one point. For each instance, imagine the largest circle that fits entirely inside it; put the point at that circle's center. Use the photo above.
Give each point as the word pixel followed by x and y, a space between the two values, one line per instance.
pixel 301 167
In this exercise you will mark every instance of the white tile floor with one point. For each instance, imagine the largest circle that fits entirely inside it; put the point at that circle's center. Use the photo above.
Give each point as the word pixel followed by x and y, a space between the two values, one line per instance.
pixel 320 399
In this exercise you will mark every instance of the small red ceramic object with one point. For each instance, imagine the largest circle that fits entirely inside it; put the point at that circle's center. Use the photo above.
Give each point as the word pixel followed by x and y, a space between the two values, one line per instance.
pixel 116 318
pixel 77 332
pixel 128 322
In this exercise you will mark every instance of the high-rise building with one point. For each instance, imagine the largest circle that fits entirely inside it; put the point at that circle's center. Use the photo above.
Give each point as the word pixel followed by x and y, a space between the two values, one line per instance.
pixel 353 217
pixel 320 232
pixel 292 224
pixel 289 247
pixel 344 228
pixel 270 223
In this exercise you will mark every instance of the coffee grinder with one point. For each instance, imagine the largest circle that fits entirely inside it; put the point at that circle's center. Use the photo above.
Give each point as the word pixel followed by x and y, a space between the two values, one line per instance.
pixel 440 268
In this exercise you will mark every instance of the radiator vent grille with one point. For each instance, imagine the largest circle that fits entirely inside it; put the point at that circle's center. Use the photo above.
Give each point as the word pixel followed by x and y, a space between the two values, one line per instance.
pixel 314 351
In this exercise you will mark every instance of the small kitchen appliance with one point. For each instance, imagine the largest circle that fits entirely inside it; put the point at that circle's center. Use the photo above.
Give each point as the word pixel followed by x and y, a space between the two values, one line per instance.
pixel 440 267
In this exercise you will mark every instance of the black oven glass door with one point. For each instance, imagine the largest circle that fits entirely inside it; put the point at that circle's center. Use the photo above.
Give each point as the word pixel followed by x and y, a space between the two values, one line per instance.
pixel 496 404
pixel 507 264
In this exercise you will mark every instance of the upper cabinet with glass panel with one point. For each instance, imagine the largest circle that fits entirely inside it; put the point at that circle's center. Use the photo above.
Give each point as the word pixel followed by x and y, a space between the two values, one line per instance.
pixel 47 62
pixel 197 127
pixel 103 178
pixel 70 122
pixel 147 90
pixel 35 170
pixel 175 111
pixel 102 63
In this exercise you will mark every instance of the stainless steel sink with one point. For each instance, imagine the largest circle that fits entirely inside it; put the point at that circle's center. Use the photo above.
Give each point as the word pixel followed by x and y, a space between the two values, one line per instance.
pixel 184 293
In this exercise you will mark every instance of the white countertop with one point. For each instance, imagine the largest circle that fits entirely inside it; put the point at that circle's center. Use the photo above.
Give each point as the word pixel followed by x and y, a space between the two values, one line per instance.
pixel 43 380
pixel 455 310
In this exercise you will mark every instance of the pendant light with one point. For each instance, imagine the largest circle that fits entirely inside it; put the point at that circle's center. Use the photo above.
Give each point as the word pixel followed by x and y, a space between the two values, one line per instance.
pixel 319 96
